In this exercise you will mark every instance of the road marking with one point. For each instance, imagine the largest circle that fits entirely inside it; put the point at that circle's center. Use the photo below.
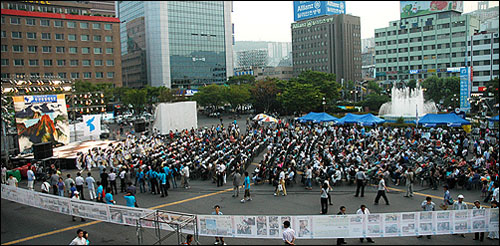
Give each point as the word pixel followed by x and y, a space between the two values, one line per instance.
pixel 98 221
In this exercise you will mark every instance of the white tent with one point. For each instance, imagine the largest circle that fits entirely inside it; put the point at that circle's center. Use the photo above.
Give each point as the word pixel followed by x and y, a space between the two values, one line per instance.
pixel 175 116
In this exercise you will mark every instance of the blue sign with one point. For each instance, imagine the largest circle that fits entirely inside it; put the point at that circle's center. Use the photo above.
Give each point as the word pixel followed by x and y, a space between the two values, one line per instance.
pixel 303 10
pixel 90 124
pixel 464 89
pixel 414 71
pixel 40 99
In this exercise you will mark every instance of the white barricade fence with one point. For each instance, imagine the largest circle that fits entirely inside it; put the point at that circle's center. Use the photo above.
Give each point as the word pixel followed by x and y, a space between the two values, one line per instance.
pixel 256 226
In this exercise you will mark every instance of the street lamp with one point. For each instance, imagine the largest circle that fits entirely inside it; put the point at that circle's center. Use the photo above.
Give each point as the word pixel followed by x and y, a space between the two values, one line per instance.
pixel 324 104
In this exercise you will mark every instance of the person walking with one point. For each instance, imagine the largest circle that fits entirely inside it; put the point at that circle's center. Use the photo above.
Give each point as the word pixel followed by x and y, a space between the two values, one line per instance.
pixel 100 192
pixel 91 186
pixel 61 187
pixel 86 236
pixel 236 183
pixel 31 178
pixel 67 183
pixel 189 239
pixel 288 234
pixel 447 200
pixel 428 205
pixel 324 199
pixel 246 184
pixel 79 239
pixel 360 182
pixel 79 181
pixel 460 205
pixel 130 200
pixel 112 181
pixel 218 240
pixel 364 210
pixel 478 235
pixel 381 189
pixel 281 183
pixel 76 196
pixel 342 211
pixel 410 179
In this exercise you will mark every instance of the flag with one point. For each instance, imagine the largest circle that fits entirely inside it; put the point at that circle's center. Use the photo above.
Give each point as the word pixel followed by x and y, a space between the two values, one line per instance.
pixel 92 125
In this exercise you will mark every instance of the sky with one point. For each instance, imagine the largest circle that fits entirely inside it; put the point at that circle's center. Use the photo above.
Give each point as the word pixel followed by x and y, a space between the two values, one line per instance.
pixel 271 20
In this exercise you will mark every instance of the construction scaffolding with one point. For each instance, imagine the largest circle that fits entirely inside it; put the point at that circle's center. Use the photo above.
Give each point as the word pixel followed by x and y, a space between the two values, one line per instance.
pixel 173 223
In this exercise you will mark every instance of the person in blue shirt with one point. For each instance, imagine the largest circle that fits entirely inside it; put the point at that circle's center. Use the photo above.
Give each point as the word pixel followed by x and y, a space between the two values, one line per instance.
pixel 109 197
pixel 100 192
pixel 162 176
pixel 154 182
pixel 130 200
pixel 72 190
pixel 148 178
pixel 167 174
pixel 246 184
pixel 172 176
pixel 140 179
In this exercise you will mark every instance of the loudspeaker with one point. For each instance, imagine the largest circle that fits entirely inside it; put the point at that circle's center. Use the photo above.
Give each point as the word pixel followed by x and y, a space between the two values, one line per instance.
pixel 42 150
pixel 140 126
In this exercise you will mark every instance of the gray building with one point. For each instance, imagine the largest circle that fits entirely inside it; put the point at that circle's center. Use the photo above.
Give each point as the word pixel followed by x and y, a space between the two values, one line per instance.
pixel 483 57
pixel 187 44
pixel 329 44
pixel 251 58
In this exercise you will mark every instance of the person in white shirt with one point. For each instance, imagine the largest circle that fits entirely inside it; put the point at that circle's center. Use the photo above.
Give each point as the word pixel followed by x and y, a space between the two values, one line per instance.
pixel 79 239
pixel 31 179
pixel 495 196
pixel 4 175
pixel 381 191
pixel 45 187
pixel 76 196
pixel 281 183
pixel 79 181
pixel 477 205
pixel 364 210
pixel 12 181
pixel 185 171
pixel 460 205
pixel 288 234
pixel 91 186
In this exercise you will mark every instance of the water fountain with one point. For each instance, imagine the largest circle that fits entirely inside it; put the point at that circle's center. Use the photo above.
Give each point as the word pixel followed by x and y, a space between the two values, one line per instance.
pixel 404 103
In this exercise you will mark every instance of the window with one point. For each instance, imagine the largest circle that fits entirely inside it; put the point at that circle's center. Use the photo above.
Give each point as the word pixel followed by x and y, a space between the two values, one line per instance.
pixel 44 22
pixel 84 37
pixel 32 49
pixel 109 50
pixel 75 75
pixel 107 26
pixel 73 63
pixel 45 36
pixel 96 26
pixel 58 23
pixel 110 75
pixel 5 48
pixel 35 74
pixel 18 62
pixel 71 24
pixel 47 62
pixel 97 50
pixel 110 62
pixel 62 75
pixel 17 35
pixel 109 38
pixel 98 63
pixel 46 49
pixel 85 50
pixel 60 49
pixel 61 63
pixel 87 75
pixel 33 63
pixel 48 74
pixel 15 20
pixel 30 22
pixel 31 35
pixel 86 63
pixel 73 50
pixel 5 62
pixel 84 25
pixel 99 75
pixel 59 36
pixel 72 37
pixel 17 48
pixel 3 22
pixel 4 34
pixel 97 38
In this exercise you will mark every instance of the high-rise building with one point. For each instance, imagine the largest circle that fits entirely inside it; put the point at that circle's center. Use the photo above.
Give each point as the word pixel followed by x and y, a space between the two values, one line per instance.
pixel 252 58
pixel 420 46
pixel 367 43
pixel 329 44
pixel 185 44
pixel 488 17
pixel 483 58
pixel 71 40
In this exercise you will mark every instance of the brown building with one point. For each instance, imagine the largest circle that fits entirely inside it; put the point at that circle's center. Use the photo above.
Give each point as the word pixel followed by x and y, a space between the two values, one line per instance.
pixel 330 44
pixel 41 42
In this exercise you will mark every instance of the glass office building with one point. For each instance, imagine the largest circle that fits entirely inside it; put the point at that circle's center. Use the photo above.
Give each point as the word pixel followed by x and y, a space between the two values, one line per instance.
pixel 185 44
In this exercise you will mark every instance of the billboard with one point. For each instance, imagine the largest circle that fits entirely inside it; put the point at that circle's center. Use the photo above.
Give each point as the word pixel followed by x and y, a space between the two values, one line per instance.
pixel 416 8
pixel 41 118
pixel 464 89
pixel 303 10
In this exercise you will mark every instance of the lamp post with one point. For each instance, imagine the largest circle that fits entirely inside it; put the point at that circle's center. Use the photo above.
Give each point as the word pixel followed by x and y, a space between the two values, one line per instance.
pixel 324 104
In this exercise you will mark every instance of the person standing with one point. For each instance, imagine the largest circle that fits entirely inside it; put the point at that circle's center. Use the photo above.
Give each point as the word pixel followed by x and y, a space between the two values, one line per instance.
pixel 308 177
pixel 185 172
pixel 112 181
pixel 218 240
pixel 360 182
pixel 477 205
pixel 495 195
pixel 4 174
pixel 281 183
pixel 108 198
pixel 100 192
pixel 447 200
pixel 91 186
pixel 460 205
pixel 45 187
pixel 67 183
pixel 61 187
pixel 54 179
pixel 79 181
pixel 189 239
pixel 342 211
pixel 31 178
pixel 324 199
pixel 288 234
pixel 163 183
pixel 12 181
pixel 79 239
pixel 236 183
pixel 327 182
pixel 428 205
pixel 130 200
pixel 104 178
pixel 381 189
pixel 364 210
pixel 140 180
pixel 493 234
pixel 122 180
pixel 76 196
pixel 246 184
pixel 86 236
pixel 410 179
pixel 220 175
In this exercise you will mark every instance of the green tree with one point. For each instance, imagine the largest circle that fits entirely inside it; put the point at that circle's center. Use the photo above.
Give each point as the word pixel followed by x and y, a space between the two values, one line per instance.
pixel 374 87
pixel 210 95
pixel 165 95
pixel 137 98
pixel 298 97
pixel 237 95
pixel 264 95
pixel 412 84
pixel 325 82
pixel 374 101
pixel 444 89
pixel 241 79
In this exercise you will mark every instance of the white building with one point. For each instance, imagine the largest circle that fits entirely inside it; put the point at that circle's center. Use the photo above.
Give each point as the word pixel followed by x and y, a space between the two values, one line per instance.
pixel 483 58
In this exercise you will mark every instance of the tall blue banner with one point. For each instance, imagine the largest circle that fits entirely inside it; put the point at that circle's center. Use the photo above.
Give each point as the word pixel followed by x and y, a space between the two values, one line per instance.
pixel 303 10
pixel 464 89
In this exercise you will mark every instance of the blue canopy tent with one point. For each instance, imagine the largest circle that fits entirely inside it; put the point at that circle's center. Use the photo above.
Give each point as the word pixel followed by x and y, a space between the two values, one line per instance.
pixel 452 120
pixel 495 118
pixel 317 118
pixel 363 119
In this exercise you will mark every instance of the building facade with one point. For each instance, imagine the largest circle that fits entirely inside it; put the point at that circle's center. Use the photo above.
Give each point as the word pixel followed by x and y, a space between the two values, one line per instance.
pixel 282 73
pixel 252 58
pixel 368 64
pixel 187 44
pixel 483 57
pixel 329 44
pixel 423 46
pixel 72 46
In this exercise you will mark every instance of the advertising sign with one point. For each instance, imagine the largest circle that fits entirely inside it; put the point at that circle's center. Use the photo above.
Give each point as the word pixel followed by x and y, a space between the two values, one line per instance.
pixel 416 8
pixel 464 89
pixel 308 9
pixel 41 118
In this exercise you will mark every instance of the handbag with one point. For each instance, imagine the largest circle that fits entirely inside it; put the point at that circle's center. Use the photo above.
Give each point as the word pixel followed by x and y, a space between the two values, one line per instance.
pixel 280 187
